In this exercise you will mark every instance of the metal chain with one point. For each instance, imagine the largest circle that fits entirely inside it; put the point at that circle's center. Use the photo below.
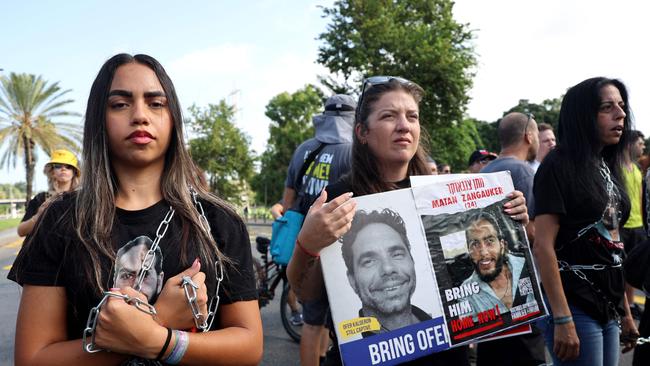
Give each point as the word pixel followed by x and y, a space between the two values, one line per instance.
pixel 640 341
pixel 91 324
pixel 147 263
pixel 204 323
pixel 149 258
pixel 564 266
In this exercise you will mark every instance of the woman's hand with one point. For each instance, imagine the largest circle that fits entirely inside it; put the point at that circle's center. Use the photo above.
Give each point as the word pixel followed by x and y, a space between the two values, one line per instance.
pixel 629 333
pixel 172 307
pixel 516 207
pixel 326 222
pixel 122 328
pixel 566 344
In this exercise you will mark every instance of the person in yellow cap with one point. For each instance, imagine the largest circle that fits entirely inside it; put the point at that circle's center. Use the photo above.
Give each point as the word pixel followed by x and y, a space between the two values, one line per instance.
pixel 63 175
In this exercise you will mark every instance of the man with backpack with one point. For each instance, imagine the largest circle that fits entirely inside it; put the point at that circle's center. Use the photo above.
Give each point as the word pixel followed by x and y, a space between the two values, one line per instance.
pixel 317 162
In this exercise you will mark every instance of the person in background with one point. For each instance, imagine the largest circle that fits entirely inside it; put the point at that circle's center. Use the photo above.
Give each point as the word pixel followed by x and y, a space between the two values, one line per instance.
pixel 432 165
pixel 333 137
pixel 479 159
pixel 445 169
pixel 519 140
pixel 546 144
pixel 63 175
pixel 580 205
pixel 633 232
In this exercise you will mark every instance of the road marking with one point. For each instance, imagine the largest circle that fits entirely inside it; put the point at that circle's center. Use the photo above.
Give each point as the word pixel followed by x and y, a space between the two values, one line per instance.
pixel 6 268
pixel 14 244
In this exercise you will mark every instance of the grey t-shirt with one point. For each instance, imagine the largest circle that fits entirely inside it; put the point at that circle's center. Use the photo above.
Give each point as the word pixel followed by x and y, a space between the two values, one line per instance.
pixel 332 162
pixel 522 177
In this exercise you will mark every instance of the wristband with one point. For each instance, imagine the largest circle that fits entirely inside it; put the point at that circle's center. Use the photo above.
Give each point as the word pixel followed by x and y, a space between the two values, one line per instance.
pixel 182 342
pixel 304 250
pixel 563 320
pixel 164 348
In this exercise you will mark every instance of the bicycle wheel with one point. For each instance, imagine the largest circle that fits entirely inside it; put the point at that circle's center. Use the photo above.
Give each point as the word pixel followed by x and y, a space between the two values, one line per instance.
pixel 293 328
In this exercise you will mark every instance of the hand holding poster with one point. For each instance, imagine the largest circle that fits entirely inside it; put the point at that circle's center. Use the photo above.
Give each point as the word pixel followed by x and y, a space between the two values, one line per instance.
pixel 427 268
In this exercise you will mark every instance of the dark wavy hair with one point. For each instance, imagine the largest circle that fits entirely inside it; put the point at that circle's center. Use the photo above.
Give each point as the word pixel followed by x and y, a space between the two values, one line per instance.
pixel 361 220
pixel 579 142
pixel 365 177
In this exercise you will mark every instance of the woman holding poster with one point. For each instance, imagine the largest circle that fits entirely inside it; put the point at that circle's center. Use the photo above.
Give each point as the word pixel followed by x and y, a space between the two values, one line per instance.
pixel 386 150
pixel 581 204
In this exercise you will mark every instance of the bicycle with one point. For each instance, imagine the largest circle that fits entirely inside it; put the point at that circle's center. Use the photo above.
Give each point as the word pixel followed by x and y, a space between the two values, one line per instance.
pixel 268 276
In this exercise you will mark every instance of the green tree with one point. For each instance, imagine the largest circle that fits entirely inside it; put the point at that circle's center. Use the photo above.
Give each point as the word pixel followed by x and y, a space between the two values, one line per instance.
pixel 415 39
pixel 290 125
pixel 548 112
pixel 28 107
pixel 221 150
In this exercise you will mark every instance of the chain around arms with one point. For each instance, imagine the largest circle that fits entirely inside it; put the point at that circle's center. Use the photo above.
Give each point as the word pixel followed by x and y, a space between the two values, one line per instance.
pixel 91 324
pixel 203 322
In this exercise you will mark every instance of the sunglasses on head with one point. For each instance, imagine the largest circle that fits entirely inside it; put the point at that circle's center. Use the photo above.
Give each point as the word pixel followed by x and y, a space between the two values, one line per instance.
pixel 378 80
pixel 60 166
pixel 530 116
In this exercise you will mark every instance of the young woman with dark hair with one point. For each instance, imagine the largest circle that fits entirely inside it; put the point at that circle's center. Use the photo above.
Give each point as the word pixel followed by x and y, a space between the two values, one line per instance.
pixel 386 150
pixel 580 206
pixel 140 181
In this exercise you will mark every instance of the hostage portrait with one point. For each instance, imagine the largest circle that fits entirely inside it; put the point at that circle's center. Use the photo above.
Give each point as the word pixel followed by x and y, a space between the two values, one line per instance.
pixel 488 281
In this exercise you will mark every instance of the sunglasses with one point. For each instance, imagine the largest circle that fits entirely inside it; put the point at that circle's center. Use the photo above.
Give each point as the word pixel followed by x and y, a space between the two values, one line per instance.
pixel 61 166
pixel 377 80
pixel 530 116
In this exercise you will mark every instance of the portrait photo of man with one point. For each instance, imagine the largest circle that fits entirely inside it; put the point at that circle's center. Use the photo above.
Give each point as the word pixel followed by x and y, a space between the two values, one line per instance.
pixel 496 271
pixel 128 262
pixel 380 269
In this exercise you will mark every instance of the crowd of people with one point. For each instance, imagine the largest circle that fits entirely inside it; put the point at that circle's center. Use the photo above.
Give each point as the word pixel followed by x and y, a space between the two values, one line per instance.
pixel 113 253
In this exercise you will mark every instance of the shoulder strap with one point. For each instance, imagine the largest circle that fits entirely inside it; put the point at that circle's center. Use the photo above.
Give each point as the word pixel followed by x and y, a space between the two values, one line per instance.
pixel 305 166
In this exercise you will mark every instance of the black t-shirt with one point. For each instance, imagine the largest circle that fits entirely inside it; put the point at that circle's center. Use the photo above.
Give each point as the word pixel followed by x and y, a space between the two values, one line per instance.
pixel 56 251
pixel 455 356
pixel 33 205
pixel 576 209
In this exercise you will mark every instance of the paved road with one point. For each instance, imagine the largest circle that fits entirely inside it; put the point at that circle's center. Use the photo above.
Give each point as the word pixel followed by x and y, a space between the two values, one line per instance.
pixel 279 349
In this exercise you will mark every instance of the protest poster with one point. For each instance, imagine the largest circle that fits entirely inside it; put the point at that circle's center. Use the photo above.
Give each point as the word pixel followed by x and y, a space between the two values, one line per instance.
pixel 401 283
pixel 481 257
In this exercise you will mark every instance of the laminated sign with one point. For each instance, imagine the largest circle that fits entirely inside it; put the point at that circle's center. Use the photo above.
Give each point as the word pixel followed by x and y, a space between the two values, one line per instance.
pixel 431 267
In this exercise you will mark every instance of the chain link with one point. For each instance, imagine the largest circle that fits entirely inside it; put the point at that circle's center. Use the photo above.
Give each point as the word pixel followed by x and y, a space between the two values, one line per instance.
pixel 91 324
pixel 149 258
pixel 201 322
pixel 564 266
pixel 640 341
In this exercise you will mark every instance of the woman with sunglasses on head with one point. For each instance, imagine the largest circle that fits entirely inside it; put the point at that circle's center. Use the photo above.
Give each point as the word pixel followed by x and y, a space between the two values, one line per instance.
pixel 63 175
pixel 142 255
pixel 580 206
pixel 386 150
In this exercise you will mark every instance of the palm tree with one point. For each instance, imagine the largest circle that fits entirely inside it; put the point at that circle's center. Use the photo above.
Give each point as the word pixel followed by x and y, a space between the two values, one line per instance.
pixel 28 106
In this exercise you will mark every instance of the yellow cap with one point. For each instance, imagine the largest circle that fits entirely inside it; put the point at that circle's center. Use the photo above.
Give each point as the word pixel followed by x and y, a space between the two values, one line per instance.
pixel 64 157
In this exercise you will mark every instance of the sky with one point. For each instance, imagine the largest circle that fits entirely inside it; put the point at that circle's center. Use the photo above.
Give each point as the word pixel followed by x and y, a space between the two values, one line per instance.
pixel 250 51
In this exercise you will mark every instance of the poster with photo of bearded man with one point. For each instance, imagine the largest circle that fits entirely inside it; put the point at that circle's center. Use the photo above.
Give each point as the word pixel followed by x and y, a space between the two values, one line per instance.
pixel 482 259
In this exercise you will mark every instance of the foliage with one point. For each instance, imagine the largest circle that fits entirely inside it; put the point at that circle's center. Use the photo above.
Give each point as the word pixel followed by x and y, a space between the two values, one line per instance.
pixel 28 107
pixel 415 39
pixel 12 190
pixel 221 150
pixel 548 111
pixel 290 125
pixel 9 223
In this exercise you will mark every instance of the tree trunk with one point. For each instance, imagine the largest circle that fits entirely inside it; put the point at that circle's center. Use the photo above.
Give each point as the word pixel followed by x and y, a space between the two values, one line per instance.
pixel 28 145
